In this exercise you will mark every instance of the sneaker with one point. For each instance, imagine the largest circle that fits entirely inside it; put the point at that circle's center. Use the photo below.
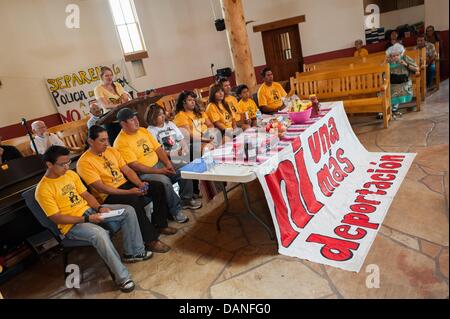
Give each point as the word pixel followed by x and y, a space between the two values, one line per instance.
pixel 141 257
pixel 379 116
pixel 197 196
pixel 181 218
pixel 127 286
pixel 191 204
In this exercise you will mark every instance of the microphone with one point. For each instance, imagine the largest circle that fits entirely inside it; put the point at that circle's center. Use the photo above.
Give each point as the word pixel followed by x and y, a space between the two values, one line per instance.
pixel 30 135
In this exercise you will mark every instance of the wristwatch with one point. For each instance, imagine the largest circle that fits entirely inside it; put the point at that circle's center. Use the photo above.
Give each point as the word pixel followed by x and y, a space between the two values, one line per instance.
pixel 86 218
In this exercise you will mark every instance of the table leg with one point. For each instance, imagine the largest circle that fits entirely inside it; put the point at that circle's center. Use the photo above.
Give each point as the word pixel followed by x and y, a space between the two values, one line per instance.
pixel 250 211
pixel 247 204
pixel 227 205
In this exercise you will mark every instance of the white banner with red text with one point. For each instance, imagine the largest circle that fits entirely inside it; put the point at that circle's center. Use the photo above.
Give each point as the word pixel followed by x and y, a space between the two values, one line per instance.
pixel 328 195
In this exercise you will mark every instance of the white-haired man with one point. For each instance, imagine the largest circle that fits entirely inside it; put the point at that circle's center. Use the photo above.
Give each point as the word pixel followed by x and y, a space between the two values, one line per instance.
pixel 42 138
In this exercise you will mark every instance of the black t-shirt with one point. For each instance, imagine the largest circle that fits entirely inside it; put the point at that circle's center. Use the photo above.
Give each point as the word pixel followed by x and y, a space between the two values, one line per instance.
pixel 10 153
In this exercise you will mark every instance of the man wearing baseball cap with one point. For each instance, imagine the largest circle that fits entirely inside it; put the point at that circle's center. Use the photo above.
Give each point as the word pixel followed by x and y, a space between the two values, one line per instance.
pixel 144 154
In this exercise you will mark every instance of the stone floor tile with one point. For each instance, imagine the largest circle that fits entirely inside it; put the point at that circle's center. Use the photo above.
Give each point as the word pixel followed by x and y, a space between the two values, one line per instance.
pixel 429 249
pixel 291 280
pixel 443 263
pixel 404 273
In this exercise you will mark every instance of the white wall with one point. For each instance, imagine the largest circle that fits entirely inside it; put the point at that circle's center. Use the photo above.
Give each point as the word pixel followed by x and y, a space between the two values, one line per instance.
pixel 179 34
pixel 330 24
pixel 392 19
pixel 436 14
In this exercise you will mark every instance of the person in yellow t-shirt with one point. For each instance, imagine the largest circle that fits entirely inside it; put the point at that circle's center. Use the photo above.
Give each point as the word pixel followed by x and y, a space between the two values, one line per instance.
pixel 79 216
pixel 270 93
pixel 218 111
pixel 107 174
pixel 233 104
pixel 189 117
pixel 247 105
pixel 110 94
pixel 360 52
pixel 147 158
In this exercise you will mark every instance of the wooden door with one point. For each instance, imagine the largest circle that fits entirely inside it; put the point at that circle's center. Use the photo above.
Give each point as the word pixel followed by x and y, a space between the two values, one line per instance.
pixel 283 51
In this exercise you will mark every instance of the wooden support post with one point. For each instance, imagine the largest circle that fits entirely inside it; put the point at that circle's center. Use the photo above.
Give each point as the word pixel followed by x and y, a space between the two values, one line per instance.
pixel 241 55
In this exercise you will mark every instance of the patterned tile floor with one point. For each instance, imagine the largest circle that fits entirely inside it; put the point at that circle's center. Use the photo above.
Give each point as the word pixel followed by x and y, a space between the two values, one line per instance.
pixel 411 249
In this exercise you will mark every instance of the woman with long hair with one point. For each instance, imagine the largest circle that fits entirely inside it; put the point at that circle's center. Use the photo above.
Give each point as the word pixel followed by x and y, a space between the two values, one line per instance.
pixel 218 111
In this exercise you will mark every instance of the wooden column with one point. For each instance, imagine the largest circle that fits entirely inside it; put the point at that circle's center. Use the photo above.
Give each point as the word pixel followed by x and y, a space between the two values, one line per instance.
pixel 241 55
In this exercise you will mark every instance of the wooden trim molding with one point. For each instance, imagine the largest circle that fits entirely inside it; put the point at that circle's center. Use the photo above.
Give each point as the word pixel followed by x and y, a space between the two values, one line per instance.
pixel 136 56
pixel 279 24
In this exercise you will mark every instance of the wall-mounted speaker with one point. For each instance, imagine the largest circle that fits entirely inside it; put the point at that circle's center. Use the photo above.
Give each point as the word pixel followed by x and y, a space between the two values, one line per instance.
pixel 220 24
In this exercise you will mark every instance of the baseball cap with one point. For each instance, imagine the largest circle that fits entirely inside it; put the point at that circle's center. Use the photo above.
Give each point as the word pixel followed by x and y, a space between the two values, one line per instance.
pixel 125 114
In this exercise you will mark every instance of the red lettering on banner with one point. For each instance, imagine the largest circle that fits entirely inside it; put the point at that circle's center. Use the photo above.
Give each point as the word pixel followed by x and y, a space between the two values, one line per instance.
pixel 306 187
pixel 338 173
pixel 358 219
pixel 378 177
pixel 322 139
pixel 334 249
pixel 343 231
pixel 298 193
pixel 393 158
pixel 326 182
pixel 343 160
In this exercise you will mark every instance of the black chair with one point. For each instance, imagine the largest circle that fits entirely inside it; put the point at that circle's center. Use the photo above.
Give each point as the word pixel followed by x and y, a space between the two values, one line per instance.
pixel 67 245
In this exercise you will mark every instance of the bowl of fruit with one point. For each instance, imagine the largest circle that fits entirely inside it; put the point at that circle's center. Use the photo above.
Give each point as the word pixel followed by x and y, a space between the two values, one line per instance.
pixel 300 111
pixel 276 127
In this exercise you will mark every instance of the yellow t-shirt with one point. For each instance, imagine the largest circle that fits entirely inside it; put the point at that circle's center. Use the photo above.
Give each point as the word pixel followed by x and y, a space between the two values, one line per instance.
pixel 234 106
pixel 105 167
pixel 140 147
pixel 361 53
pixel 191 120
pixel 62 195
pixel 219 114
pixel 270 96
pixel 113 98
pixel 248 106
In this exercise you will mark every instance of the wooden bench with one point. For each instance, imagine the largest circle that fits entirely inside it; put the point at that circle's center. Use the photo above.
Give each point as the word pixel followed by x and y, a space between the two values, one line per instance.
pixel 73 134
pixel 419 56
pixel 363 89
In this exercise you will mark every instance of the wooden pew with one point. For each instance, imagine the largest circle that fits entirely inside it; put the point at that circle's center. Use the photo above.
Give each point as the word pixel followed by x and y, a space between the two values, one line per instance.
pixel 73 134
pixel 363 89
pixel 419 56
pixel 169 102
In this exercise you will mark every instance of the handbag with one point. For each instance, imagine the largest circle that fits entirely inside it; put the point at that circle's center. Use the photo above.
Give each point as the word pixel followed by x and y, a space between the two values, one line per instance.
pixel 399 78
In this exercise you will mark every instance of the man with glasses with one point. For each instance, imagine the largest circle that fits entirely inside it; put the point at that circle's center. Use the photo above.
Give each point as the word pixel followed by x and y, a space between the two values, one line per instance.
pixel 96 112
pixel 114 182
pixel 43 139
pixel 66 201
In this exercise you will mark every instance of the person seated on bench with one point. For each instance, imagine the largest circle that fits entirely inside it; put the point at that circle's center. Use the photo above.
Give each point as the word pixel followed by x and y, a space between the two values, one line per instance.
pixel 42 138
pixel 270 93
pixel 246 104
pixel 431 58
pixel 401 67
pixel 114 182
pixel 393 39
pixel 233 103
pixel 66 201
pixel 219 112
pixel 8 152
pixel 96 113
pixel 188 116
pixel 360 52
pixel 142 152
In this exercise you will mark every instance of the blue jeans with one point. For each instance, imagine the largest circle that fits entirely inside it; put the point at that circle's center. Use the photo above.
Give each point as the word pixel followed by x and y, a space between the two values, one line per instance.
pixel 173 200
pixel 431 72
pixel 99 238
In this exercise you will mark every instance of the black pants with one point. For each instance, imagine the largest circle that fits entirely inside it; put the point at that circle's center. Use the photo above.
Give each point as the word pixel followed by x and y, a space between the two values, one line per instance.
pixel 156 193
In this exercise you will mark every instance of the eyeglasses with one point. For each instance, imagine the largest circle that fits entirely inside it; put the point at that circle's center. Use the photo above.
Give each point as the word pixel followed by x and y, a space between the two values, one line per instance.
pixel 67 164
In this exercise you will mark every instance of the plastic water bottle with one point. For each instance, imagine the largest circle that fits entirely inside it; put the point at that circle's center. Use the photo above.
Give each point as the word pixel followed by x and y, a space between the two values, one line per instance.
pixel 258 118
pixel 209 161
